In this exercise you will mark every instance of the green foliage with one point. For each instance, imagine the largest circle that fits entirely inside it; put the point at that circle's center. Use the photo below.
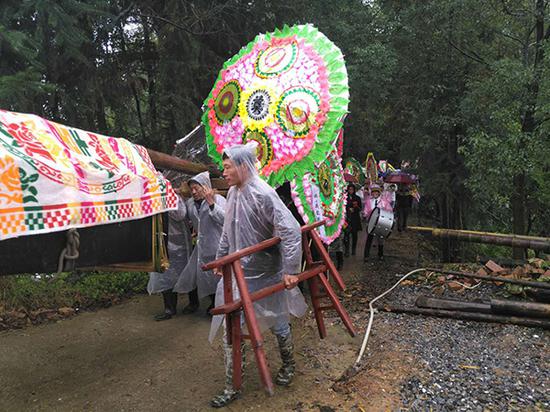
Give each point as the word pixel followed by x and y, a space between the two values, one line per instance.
pixel 459 88
pixel 50 291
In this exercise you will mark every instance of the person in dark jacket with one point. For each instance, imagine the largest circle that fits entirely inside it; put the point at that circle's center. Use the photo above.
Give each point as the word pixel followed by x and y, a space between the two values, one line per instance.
pixel 353 220
pixel 403 204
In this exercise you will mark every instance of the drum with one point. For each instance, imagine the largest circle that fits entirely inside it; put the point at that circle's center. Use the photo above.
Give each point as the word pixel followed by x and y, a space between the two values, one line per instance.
pixel 380 222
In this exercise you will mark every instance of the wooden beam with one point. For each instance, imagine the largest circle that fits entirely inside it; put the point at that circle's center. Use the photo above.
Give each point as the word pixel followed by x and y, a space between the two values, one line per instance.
pixel 480 317
pixel 166 161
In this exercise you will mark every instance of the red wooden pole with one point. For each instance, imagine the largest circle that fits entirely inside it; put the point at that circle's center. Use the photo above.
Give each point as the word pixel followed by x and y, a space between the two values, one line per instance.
pixel 315 302
pixel 236 338
pixel 270 290
pixel 233 329
pixel 253 249
pixel 306 249
pixel 337 305
pixel 253 329
pixel 228 299
pixel 326 259
pixel 225 260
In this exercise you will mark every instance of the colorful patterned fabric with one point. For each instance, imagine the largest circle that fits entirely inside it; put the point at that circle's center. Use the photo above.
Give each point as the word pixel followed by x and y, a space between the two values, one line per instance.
pixel 287 91
pixel 54 177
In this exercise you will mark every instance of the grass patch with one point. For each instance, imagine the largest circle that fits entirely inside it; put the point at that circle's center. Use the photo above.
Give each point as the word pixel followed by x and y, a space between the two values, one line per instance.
pixel 76 290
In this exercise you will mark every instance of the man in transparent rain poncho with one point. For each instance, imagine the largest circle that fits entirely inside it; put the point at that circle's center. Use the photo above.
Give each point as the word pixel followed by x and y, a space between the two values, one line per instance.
pixel 254 212
pixel 179 249
pixel 206 210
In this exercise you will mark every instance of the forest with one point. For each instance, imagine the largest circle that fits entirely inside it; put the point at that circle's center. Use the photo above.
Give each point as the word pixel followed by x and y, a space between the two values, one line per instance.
pixel 460 89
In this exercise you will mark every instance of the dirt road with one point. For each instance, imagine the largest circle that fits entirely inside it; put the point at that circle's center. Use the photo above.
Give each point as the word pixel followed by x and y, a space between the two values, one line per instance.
pixel 120 359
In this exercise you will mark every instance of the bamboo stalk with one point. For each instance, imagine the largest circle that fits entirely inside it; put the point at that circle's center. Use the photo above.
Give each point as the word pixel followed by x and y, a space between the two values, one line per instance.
pixel 452 304
pixel 479 317
pixel 531 242
pixel 513 307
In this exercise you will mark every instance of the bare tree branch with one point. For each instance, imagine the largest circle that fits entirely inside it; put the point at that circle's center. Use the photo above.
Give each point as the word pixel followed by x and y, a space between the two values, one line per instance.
pixel 179 26
pixel 470 54
pixel 514 13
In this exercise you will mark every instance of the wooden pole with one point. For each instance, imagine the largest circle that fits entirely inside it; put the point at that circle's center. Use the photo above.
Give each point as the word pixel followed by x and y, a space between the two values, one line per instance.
pixel 327 260
pixel 495 306
pixel 262 293
pixel 514 307
pixel 531 242
pixel 166 161
pixel 452 304
pixel 337 305
pixel 253 328
pixel 480 317
pixel 314 291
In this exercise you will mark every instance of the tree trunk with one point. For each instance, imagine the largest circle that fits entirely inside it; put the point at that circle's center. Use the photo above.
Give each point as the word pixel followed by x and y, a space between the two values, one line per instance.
pixel 518 212
pixel 528 126
pixel 150 61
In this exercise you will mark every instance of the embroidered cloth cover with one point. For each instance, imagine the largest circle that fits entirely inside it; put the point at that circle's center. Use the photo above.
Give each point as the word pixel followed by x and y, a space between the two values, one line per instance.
pixel 55 177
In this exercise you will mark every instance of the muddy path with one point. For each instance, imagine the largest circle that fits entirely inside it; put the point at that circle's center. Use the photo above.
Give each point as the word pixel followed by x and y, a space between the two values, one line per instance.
pixel 120 359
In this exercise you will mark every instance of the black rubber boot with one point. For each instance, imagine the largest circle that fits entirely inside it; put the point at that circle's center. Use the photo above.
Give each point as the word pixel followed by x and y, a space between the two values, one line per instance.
pixel 212 304
pixel 339 260
pixel 174 302
pixel 194 304
pixel 380 252
pixel 288 369
pixel 169 306
pixel 368 245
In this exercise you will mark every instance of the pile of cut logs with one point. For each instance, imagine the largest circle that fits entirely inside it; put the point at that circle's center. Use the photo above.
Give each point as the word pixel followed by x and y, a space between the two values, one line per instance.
pixel 535 313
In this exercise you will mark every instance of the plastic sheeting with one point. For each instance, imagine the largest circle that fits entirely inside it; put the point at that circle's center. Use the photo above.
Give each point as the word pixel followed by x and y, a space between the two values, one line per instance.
pixel 254 213
pixel 179 249
pixel 208 224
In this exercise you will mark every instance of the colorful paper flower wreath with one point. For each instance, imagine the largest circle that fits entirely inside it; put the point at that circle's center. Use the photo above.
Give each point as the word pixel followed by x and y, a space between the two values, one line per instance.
pixel 257 107
pixel 291 86
pixel 265 151
pixel 354 168
pixel 320 194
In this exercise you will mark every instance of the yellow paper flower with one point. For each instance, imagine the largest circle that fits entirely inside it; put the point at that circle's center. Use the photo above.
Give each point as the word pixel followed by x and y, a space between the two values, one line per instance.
pixel 257 107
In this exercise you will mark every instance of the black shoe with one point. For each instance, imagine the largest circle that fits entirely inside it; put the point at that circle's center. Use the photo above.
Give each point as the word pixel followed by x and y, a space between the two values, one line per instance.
pixel 381 258
pixel 190 309
pixel 163 316
pixel 366 260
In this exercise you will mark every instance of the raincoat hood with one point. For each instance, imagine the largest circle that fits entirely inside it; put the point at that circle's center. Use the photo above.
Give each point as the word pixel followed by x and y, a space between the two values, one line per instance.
pixel 202 179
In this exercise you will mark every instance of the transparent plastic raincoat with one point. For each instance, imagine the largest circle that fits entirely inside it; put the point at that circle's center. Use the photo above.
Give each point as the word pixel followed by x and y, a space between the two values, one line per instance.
pixel 208 224
pixel 179 249
pixel 254 212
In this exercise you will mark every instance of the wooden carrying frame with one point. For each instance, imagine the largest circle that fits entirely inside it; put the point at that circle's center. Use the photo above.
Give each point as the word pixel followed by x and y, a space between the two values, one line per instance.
pixel 315 274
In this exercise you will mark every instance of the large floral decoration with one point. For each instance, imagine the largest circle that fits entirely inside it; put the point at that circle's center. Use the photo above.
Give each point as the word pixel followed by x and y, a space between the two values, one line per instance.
pixel 354 168
pixel 320 194
pixel 288 91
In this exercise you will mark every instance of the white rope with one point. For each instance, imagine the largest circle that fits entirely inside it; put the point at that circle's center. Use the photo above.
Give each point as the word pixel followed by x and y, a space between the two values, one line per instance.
pixel 371 308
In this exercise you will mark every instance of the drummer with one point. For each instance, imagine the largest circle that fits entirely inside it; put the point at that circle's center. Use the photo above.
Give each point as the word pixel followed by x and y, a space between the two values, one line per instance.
pixel 372 201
